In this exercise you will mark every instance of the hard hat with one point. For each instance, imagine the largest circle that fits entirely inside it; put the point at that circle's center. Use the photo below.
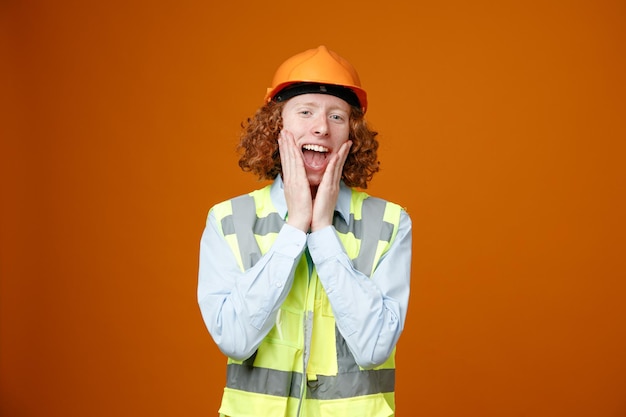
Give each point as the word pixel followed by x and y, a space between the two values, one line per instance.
pixel 317 71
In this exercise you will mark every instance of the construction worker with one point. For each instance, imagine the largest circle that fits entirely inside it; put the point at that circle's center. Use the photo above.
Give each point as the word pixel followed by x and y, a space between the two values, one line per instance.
pixel 304 284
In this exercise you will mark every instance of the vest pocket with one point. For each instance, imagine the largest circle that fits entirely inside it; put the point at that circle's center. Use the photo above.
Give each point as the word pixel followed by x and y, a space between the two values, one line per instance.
pixel 365 406
pixel 287 329
pixel 323 359
pixel 246 404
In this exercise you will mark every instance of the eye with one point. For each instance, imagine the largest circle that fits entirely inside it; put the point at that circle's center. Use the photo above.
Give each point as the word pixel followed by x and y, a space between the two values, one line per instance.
pixel 337 117
pixel 305 112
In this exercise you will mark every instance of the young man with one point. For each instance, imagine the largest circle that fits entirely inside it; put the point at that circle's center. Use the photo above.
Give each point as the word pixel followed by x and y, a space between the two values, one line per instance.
pixel 304 284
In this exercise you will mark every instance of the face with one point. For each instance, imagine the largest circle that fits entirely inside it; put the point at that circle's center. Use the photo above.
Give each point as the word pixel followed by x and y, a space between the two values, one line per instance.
pixel 320 124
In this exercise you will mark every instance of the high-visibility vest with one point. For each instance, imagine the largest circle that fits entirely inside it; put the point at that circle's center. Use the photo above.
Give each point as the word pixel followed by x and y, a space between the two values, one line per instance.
pixel 270 383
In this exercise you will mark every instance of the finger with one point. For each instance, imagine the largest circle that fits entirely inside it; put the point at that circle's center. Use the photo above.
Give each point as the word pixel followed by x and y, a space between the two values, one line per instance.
pixel 289 143
pixel 338 161
pixel 291 160
pixel 344 151
pixel 286 152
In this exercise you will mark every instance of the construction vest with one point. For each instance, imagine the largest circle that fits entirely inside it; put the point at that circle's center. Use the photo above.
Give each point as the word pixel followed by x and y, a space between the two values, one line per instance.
pixel 303 367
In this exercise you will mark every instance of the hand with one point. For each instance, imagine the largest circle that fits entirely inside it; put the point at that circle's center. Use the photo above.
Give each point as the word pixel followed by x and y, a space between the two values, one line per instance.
pixel 297 188
pixel 328 190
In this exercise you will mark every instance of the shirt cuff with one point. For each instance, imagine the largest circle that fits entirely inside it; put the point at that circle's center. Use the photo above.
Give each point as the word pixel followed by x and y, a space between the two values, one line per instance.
pixel 324 244
pixel 290 241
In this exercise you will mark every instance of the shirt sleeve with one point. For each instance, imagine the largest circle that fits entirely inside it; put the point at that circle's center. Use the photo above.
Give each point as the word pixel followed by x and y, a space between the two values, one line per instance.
pixel 369 312
pixel 239 307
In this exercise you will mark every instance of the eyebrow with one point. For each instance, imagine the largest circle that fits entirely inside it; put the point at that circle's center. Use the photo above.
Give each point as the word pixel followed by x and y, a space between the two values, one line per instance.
pixel 312 104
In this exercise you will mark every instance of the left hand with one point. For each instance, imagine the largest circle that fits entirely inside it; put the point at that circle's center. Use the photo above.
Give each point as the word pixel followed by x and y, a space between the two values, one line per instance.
pixel 328 190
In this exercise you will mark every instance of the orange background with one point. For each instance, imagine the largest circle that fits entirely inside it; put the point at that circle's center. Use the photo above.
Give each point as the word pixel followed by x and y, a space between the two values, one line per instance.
pixel 502 132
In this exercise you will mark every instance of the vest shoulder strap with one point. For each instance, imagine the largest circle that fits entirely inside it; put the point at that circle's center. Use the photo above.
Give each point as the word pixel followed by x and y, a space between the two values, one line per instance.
pixel 373 210
pixel 242 222
pixel 243 219
pixel 377 233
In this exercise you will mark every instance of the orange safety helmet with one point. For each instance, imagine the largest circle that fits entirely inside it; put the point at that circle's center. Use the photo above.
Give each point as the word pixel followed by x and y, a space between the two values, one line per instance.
pixel 317 71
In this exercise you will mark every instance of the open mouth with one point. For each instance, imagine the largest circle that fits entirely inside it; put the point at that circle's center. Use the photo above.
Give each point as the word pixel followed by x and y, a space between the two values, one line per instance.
pixel 315 155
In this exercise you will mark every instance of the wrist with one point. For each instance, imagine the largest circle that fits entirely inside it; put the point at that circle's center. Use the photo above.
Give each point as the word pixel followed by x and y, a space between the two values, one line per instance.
pixel 298 224
pixel 319 226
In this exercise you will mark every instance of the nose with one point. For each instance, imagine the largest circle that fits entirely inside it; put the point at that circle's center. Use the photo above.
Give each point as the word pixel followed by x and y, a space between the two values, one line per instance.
pixel 320 127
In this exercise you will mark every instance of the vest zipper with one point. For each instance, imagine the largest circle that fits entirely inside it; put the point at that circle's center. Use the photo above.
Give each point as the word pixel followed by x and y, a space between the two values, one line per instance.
pixel 307 329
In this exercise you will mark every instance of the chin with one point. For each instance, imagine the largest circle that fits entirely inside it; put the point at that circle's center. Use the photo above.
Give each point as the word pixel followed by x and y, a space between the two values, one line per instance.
pixel 314 178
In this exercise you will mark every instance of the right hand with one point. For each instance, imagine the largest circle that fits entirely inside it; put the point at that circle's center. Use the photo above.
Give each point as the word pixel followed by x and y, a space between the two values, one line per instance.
pixel 297 187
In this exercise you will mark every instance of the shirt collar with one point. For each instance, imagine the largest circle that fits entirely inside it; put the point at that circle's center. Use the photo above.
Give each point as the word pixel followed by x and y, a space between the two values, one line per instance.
pixel 277 195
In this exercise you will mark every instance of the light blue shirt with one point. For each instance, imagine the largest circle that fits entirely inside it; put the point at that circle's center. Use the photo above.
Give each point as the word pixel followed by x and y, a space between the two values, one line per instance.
pixel 240 308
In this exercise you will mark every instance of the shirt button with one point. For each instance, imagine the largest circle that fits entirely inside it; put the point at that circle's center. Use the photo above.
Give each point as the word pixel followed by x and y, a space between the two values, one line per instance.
pixel 279 284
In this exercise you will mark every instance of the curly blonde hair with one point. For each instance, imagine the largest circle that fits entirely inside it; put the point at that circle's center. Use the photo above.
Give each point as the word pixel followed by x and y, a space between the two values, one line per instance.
pixel 258 146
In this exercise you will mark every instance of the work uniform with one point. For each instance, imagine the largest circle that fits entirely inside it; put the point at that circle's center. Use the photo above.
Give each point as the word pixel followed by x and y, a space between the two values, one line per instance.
pixel 309 321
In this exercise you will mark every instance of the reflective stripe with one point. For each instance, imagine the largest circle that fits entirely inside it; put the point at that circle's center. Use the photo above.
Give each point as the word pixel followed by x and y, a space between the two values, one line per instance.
pixel 263 226
pixel 308 334
pixel 270 224
pixel 352 384
pixel 244 218
pixel 287 384
pixel 263 380
pixel 273 222
pixel 244 223
pixel 345 358
pixel 365 242
pixel 372 232
pixel 350 381
pixel 356 227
